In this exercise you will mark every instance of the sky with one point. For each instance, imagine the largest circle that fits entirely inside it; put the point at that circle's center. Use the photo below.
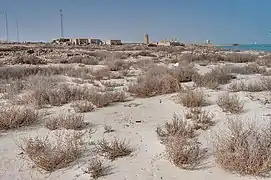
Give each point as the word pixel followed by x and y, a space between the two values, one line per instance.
pixel 191 21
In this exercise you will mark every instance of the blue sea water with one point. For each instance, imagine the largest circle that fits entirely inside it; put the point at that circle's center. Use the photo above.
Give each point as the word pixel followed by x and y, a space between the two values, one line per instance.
pixel 244 47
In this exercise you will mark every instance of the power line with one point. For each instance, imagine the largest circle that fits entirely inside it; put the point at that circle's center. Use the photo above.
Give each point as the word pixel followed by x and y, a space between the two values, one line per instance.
pixel 17 31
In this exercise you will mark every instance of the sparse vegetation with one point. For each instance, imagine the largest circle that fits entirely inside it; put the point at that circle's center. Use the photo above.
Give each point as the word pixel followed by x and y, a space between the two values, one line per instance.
pixel 108 129
pixel 202 119
pixel 240 58
pixel 184 152
pixel 192 98
pixel 81 60
pixel 67 121
pixel 178 127
pixel 12 117
pixel 97 169
pixel 157 81
pixel 230 103
pixel 82 106
pixel 248 69
pixel 252 86
pixel 52 153
pixel 213 78
pixel 243 148
pixel 34 60
pixel 114 149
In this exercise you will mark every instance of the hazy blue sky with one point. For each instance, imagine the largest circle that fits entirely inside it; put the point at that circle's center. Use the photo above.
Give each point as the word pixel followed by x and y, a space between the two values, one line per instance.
pixel 222 21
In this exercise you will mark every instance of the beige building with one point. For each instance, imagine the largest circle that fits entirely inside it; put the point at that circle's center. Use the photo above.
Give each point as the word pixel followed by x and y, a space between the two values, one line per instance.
pixel 113 42
pixel 169 43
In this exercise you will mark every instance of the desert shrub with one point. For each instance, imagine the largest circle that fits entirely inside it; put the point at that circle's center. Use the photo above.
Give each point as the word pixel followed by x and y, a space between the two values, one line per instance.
pixel 184 152
pixel 27 60
pixel 192 98
pixel 156 81
pixel 114 149
pixel 230 103
pixel 108 129
pixel 21 72
pixel 252 86
pixel 243 148
pixel 144 53
pixel 65 93
pixel 67 121
pixel 240 58
pixel 52 153
pixel 201 119
pixel 264 61
pixel 144 64
pixel 248 69
pixel 97 169
pixel 80 60
pixel 12 117
pixel 100 74
pixel 213 78
pixel 82 106
pixel 118 65
pixel 183 74
pixel 178 127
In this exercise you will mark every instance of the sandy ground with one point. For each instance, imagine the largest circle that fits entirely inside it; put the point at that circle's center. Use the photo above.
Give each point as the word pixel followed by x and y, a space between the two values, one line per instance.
pixel 148 161
pixel 136 124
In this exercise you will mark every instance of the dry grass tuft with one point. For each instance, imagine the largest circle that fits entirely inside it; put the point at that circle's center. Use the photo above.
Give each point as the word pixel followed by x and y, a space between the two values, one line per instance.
pixel 264 61
pixel 230 103
pixel 244 149
pixel 184 74
pixel 201 119
pixel 178 127
pixel 67 121
pixel 114 149
pixel 240 58
pixel 248 69
pixel 81 60
pixel 34 60
pixel 253 86
pixel 82 106
pixel 184 152
pixel 192 98
pixel 97 169
pixel 12 117
pixel 55 153
pixel 118 65
pixel 157 81
pixel 213 78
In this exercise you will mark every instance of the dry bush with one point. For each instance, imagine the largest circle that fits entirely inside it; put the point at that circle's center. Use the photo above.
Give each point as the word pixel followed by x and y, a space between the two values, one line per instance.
pixel 183 74
pixel 248 69
pixel 12 117
pixel 240 58
pixel 114 149
pixel 184 152
pixel 143 64
pixel 264 61
pixel 178 127
pixel 22 72
pixel 157 81
pixel 80 60
pixel 82 106
pixel 213 78
pixel 256 86
pixel 34 60
pixel 118 65
pixel 65 93
pixel 67 121
pixel 244 148
pixel 97 169
pixel 52 153
pixel 192 98
pixel 144 53
pixel 108 129
pixel 201 119
pixel 230 103
pixel 100 74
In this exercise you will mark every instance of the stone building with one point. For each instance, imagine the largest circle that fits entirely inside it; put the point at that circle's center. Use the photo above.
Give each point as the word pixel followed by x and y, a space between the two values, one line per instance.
pixel 113 42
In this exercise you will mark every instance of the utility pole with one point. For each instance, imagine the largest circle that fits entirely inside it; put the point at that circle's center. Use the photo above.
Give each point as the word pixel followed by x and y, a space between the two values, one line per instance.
pixel 6 23
pixel 61 23
pixel 17 31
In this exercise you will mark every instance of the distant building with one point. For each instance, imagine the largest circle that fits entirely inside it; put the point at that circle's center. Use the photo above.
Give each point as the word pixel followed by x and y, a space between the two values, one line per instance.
pixel 208 42
pixel 78 41
pixel 146 39
pixel 113 42
pixel 169 43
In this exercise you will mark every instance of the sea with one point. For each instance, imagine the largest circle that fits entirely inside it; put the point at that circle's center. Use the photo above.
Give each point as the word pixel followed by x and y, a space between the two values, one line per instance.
pixel 246 47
